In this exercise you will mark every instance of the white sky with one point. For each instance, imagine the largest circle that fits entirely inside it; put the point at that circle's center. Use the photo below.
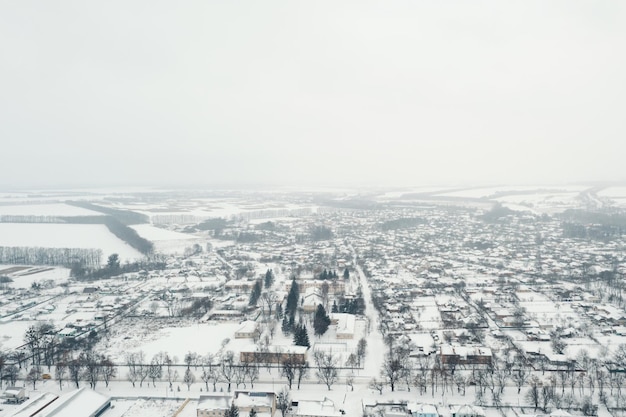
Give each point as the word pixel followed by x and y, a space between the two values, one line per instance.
pixel 322 92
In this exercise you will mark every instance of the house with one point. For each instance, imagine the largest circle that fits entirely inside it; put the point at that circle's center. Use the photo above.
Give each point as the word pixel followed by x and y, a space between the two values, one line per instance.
pixel 468 411
pixel 248 330
pixel 345 325
pixel 464 355
pixel 312 299
pixel 422 410
pixel 83 402
pixel 262 402
pixel 213 405
pixel 14 395
pixel 312 408
pixel 386 409
pixel 35 405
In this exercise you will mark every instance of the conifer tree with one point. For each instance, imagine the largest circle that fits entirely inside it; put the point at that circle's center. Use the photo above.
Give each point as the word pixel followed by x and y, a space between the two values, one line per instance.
pixel 321 321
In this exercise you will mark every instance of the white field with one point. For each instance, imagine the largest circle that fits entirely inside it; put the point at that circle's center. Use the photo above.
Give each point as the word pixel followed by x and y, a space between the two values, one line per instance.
pixel 48 209
pixel 486 192
pixel 167 241
pixel 52 235
pixel 24 279
pixel 177 341
pixel 617 194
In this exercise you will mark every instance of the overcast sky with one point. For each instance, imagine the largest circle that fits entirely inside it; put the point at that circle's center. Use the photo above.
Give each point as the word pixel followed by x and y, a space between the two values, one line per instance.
pixel 318 92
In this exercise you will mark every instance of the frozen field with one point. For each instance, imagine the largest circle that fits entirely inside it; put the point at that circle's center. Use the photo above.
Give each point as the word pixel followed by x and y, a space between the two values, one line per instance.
pixel 177 341
pixel 51 235
pixel 616 194
pixel 522 191
pixel 49 209
pixel 167 241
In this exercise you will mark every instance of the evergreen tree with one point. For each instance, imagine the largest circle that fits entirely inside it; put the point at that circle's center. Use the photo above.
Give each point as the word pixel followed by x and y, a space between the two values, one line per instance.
pixel 285 327
pixel 321 321
pixel 269 278
pixel 233 411
pixel 292 298
pixel 256 293
pixel 301 336
pixel 334 308
pixel 346 274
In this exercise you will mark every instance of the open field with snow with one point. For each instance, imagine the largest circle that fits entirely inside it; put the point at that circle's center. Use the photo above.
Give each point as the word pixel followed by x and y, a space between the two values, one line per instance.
pixel 48 209
pixel 167 241
pixel 54 235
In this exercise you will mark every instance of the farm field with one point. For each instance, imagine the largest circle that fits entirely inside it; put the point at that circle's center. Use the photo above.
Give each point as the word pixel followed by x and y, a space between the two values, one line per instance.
pixel 47 209
pixel 56 235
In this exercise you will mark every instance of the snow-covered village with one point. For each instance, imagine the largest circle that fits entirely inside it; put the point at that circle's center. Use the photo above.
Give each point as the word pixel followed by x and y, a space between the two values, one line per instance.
pixel 329 208
pixel 415 302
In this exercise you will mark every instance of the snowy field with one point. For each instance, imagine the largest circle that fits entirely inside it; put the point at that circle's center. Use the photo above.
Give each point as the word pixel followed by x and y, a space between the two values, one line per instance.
pixel 28 275
pixel 51 235
pixel 541 202
pixel 521 190
pixel 167 241
pixel 616 194
pixel 152 338
pixel 48 209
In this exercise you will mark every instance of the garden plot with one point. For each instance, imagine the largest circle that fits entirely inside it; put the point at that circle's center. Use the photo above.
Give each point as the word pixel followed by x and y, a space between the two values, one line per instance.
pixel 53 235
pixel 40 275
pixel 426 312
pixel 12 333
pixel 153 337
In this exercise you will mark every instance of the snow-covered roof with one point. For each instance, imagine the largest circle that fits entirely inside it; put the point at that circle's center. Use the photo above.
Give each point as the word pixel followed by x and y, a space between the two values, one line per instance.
pixel 82 402
pixel 216 401
pixel 324 408
pixel 35 404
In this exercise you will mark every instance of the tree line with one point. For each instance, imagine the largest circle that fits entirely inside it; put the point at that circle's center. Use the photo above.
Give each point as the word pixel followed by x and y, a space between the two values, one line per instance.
pixel 90 258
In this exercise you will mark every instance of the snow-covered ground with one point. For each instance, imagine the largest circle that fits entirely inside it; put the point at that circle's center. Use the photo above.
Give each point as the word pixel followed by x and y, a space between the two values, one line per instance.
pixel 167 241
pixel 48 209
pixel 55 235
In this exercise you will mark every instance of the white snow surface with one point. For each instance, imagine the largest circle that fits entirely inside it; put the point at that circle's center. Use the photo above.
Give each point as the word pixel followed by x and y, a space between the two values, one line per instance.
pixel 55 235
pixel 49 209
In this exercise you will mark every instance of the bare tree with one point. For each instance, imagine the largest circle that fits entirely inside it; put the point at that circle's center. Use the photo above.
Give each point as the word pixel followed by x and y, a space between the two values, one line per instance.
pixel 377 385
pixel 189 378
pixel 170 373
pixel 519 377
pixel 75 367
pixel 11 374
pixel 288 369
pixel 533 395
pixel 91 363
pixel 33 376
pixel 142 367
pixel 326 364
pixel 155 369
pixel 268 299
pixel 108 370
pixel 302 371
pixel 61 369
pixel 228 369
pixel 283 401
pixel 131 364
pixel 392 370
